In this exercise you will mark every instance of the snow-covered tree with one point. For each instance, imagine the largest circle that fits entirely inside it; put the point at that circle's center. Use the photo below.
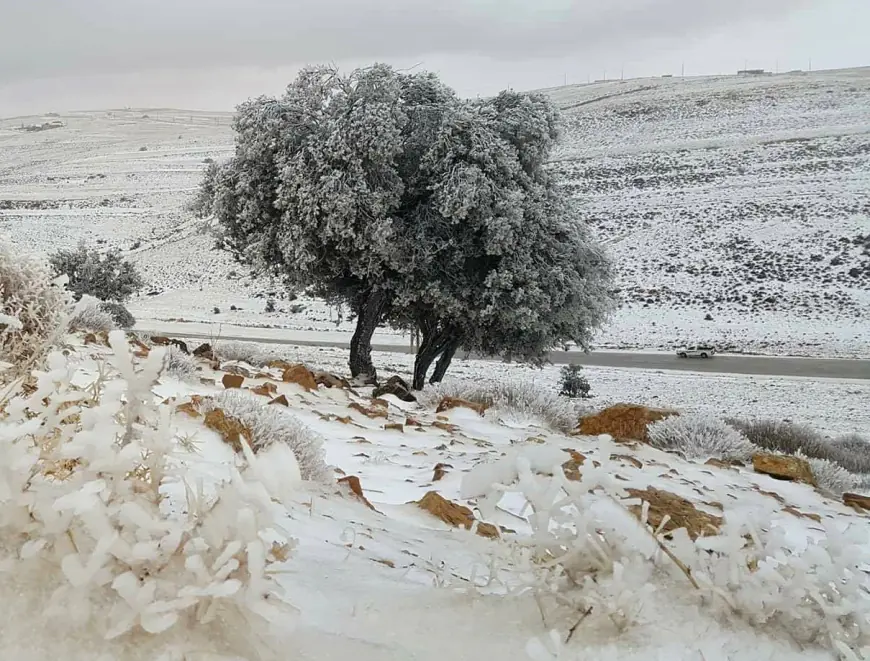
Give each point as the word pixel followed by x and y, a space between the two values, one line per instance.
pixel 387 193
pixel 512 270
pixel 106 276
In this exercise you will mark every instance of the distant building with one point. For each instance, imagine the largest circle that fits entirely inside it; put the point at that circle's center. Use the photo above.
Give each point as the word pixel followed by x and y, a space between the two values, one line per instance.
pixel 751 72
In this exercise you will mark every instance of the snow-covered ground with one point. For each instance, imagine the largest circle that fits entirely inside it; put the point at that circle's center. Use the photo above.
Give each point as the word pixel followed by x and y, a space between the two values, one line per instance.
pixel 832 406
pixel 741 198
pixel 392 581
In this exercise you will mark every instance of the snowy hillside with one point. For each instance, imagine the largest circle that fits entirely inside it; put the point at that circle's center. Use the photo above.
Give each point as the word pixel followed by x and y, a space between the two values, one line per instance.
pixel 434 529
pixel 739 200
pixel 742 197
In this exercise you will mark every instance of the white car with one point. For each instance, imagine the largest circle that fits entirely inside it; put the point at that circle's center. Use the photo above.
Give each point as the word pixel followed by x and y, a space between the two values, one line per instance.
pixel 696 351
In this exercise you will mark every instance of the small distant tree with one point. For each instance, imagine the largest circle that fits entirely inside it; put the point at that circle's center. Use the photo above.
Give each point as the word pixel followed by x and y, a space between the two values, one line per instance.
pixel 106 276
pixel 574 384
pixel 385 193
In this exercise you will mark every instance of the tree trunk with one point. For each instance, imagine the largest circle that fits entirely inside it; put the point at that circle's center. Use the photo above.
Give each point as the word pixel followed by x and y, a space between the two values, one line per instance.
pixel 444 361
pixel 432 345
pixel 367 320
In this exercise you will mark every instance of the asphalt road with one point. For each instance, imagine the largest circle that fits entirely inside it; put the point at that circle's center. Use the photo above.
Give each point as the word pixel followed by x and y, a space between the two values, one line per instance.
pixel 835 368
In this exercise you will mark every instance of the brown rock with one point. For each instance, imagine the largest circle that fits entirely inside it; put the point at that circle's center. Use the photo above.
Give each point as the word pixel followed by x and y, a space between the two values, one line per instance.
pixel 369 413
pixel 204 351
pixel 331 380
pixel 397 387
pixel 232 381
pixel 239 371
pixel 160 341
pixel 721 463
pixel 300 375
pixel 353 483
pixel 280 365
pixel 412 422
pixel 188 408
pixel 395 426
pixel 440 471
pixel 380 403
pixel 784 467
pixel 681 513
pixel 804 515
pixel 454 514
pixel 446 426
pixel 230 429
pixel 142 349
pixel 634 461
pixel 265 390
pixel 622 421
pixel 280 400
pixel 453 402
pixel 572 466
pixel 857 501
pixel 181 345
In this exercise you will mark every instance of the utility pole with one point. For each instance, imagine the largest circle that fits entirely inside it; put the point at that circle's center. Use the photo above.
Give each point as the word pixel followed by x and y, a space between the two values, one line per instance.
pixel 811 64
pixel 683 70
pixel 566 79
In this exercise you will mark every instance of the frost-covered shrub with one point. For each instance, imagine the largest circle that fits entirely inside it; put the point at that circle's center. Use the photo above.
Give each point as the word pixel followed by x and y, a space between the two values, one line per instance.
pixel 784 437
pixel 525 399
pixel 34 306
pixel 789 438
pixel 179 365
pixel 109 549
pixel 697 436
pixel 269 425
pixel 122 316
pixel 852 443
pixel 590 555
pixel 89 316
pixel 574 384
pixel 106 276
pixel 244 352
pixel 831 477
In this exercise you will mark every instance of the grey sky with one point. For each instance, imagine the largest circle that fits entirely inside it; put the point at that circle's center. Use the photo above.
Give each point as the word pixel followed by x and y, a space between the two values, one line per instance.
pixel 212 53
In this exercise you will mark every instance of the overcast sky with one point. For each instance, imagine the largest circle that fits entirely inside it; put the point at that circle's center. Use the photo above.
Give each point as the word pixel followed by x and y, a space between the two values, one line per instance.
pixel 211 54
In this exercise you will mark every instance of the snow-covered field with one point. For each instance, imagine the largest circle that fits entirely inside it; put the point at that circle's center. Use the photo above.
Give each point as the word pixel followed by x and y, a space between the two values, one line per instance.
pixel 392 580
pixel 742 200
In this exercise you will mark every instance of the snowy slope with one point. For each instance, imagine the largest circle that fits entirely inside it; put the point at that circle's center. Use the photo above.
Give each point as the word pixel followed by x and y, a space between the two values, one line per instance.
pixel 392 581
pixel 744 199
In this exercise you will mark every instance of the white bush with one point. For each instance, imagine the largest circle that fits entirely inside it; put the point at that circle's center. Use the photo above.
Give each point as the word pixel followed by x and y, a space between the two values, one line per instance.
pixel 180 365
pixel 831 477
pixel 697 436
pixel 244 352
pixel 512 399
pixel 107 551
pixel 587 552
pixel 274 424
pixel 88 315
pixel 34 306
